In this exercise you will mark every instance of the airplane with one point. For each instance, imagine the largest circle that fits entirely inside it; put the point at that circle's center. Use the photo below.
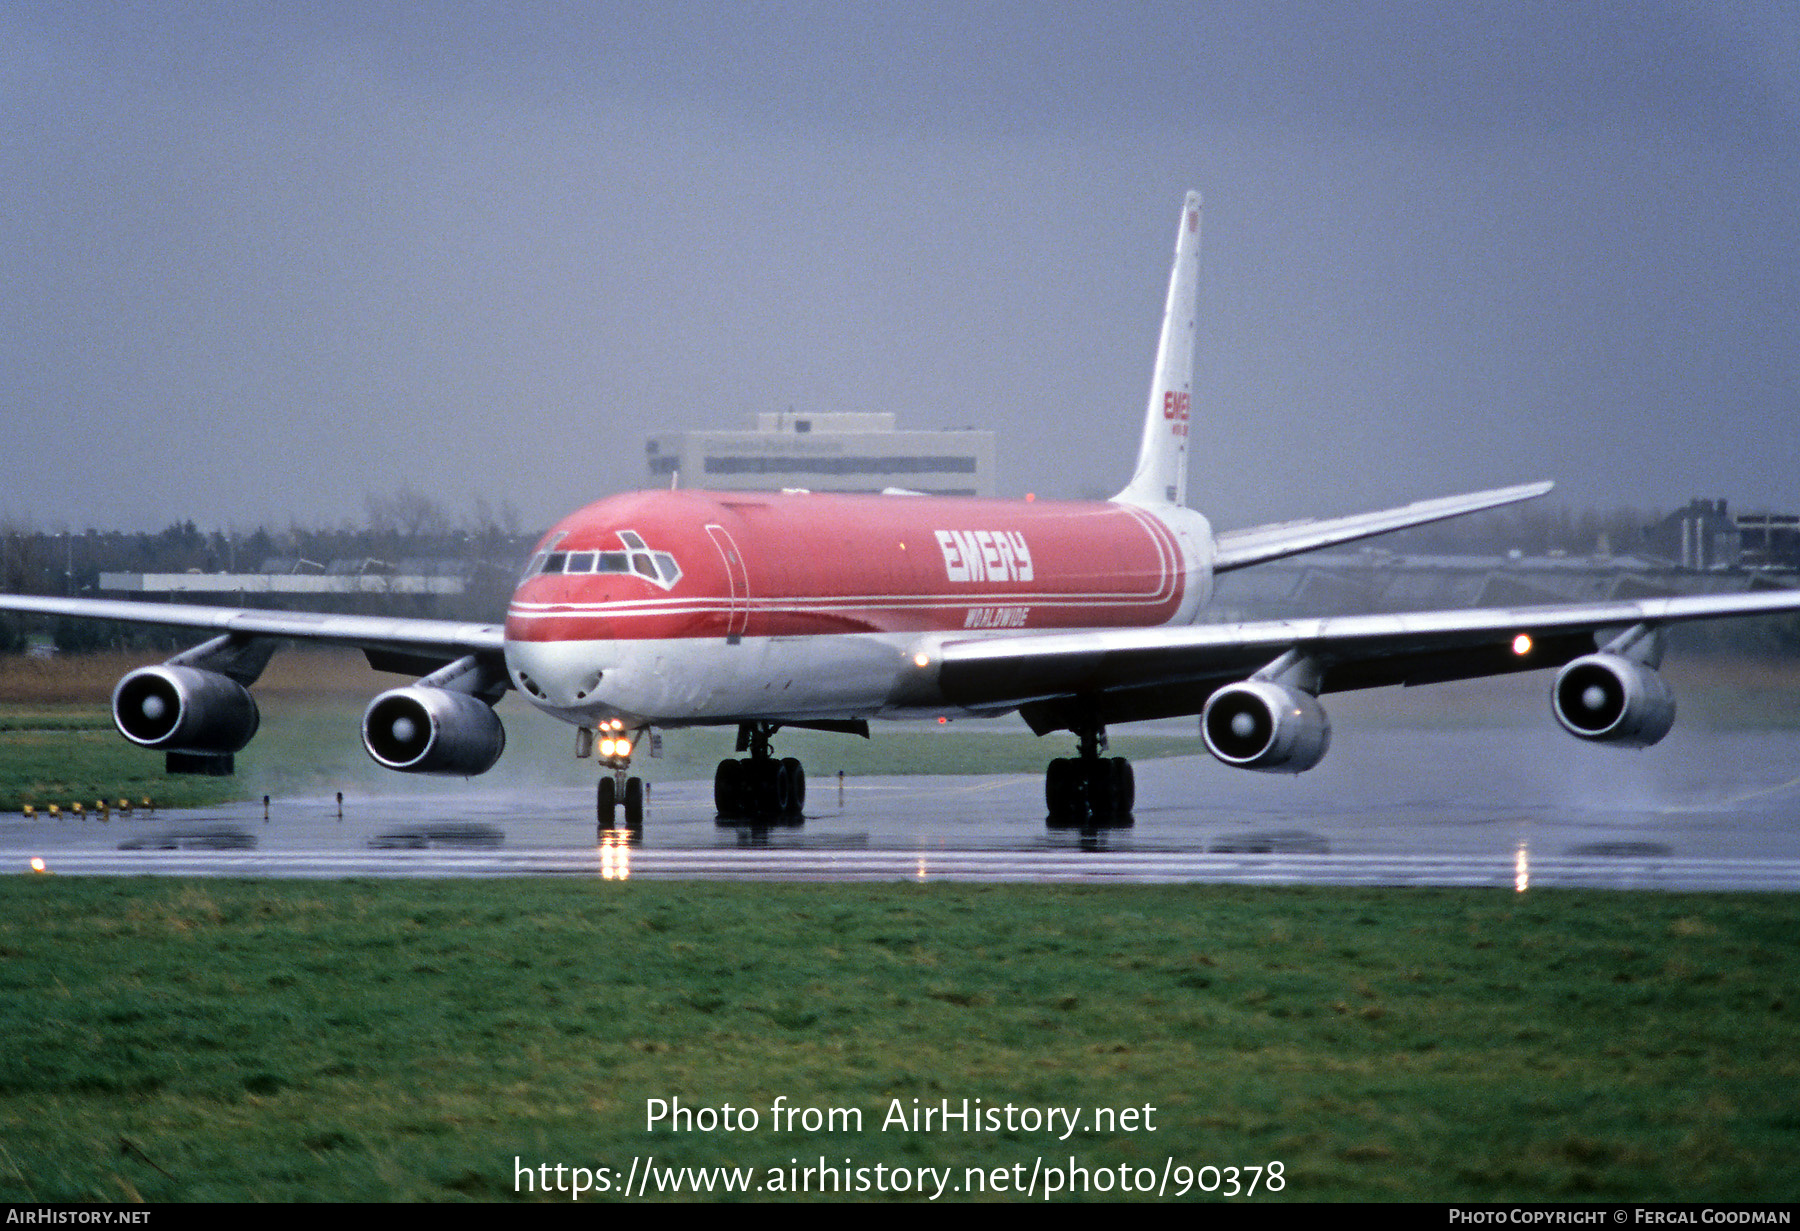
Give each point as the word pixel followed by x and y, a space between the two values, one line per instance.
pixel 763 611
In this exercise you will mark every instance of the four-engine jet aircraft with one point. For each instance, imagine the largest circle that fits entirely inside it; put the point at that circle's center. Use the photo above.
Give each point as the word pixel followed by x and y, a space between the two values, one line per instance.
pixel 762 611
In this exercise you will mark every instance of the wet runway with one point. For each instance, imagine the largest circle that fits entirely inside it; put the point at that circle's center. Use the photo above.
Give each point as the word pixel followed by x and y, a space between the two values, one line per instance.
pixel 1511 808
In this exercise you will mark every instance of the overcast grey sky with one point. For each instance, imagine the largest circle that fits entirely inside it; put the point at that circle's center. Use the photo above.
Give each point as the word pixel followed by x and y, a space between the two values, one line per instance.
pixel 261 260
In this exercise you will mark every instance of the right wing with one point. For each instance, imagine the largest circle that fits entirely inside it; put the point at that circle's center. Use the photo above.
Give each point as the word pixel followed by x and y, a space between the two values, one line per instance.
pixel 1126 675
pixel 1240 548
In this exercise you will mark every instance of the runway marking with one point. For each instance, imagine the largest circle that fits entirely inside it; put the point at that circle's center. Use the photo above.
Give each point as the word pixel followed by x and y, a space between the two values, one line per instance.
pixel 1498 872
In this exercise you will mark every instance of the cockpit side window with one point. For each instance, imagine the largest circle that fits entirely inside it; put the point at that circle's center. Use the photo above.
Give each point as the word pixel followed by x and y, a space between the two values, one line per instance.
pixel 540 561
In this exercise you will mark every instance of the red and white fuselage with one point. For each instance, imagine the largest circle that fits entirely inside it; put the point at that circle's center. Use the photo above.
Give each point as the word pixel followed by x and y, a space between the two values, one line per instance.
pixel 689 607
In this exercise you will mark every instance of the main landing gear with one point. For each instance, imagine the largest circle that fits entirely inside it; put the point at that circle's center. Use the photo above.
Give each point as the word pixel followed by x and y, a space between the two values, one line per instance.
pixel 1089 791
pixel 759 787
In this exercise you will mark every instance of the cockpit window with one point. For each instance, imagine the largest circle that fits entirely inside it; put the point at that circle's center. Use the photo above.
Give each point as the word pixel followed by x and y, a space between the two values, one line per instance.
pixel 656 566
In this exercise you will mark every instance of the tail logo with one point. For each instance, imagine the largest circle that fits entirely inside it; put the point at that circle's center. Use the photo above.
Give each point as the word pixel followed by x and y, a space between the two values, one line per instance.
pixel 1175 409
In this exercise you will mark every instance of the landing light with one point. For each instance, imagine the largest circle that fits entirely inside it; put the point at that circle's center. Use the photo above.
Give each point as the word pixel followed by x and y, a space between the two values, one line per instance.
pixel 1521 645
pixel 921 659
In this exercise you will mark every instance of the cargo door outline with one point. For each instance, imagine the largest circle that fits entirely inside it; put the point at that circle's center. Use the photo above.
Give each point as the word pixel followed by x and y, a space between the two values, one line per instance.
pixel 737 615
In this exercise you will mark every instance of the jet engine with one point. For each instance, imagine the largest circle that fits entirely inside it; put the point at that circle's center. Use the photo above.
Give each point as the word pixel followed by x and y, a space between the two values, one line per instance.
pixel 1613 700
pixel 184 709
pixel 424 730
pixel 1266 726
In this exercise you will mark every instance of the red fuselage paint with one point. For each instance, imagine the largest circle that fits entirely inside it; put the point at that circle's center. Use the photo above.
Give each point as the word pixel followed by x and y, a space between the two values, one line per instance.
pixel 811 564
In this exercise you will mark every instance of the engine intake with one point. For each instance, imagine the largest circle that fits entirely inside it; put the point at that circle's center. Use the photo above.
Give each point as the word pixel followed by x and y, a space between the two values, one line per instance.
pixel 1266 726
pixel 422 730
pixel 184 709
pixel 1613 700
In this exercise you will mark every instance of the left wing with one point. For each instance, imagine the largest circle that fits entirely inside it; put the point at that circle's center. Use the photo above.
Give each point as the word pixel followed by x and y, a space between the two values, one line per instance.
pixel 197 707
pixel 1126 675
pixel 391 643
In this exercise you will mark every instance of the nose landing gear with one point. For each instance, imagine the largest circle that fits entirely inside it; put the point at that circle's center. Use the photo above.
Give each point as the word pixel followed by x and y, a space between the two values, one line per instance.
pixel 617 788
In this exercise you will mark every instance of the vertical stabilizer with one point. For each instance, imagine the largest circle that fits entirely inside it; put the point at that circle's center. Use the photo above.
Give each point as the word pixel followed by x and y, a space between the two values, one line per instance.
pixel 1161 476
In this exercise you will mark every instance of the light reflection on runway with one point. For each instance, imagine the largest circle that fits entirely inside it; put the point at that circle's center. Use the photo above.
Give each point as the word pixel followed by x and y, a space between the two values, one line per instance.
pixel 1503 810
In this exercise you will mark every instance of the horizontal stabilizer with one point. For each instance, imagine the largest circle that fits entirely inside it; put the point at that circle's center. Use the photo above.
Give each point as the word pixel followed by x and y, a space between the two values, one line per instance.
pixel 1239 548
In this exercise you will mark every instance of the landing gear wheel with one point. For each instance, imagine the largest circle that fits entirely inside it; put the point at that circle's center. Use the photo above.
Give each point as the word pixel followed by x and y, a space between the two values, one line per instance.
pixel 1089 792
pixel 605 801
pixel 1060 794
pixel 634 803
pixel 729 790
pixel 1124 787
pixel 796 774
pixel 759 789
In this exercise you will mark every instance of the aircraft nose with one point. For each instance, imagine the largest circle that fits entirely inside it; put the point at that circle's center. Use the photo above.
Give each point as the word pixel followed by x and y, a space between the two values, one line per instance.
pixel 551 675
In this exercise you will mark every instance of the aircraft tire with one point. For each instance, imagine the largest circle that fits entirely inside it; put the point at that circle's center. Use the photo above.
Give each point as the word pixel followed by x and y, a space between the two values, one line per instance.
pixel 728 790
pixel 605 800
pixel 1099 789
pixel 796 773
pixel 778 793
pixel 1124 786
pixel 1063 794
pixel 634 803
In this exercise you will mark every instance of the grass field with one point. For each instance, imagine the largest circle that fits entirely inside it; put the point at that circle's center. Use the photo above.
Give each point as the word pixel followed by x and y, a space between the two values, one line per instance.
pixel 277 1041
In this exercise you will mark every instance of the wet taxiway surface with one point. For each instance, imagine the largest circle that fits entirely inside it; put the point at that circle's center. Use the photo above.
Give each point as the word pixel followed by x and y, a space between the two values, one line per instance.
pixel 1707 811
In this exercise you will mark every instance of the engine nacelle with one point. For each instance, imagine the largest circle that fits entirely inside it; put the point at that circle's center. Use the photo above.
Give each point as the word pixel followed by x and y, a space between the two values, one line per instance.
pixel 421 730
pixel 1266 726
pixel 1613 700
pixel 184 709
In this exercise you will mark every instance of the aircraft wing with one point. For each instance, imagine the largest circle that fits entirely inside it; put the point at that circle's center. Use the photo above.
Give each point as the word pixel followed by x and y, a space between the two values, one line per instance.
pixel 1126 675
pixel 409 644
pixel 1237 549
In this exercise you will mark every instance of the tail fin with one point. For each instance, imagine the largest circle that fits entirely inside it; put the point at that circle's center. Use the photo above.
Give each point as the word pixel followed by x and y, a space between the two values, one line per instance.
pixel 1161 476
